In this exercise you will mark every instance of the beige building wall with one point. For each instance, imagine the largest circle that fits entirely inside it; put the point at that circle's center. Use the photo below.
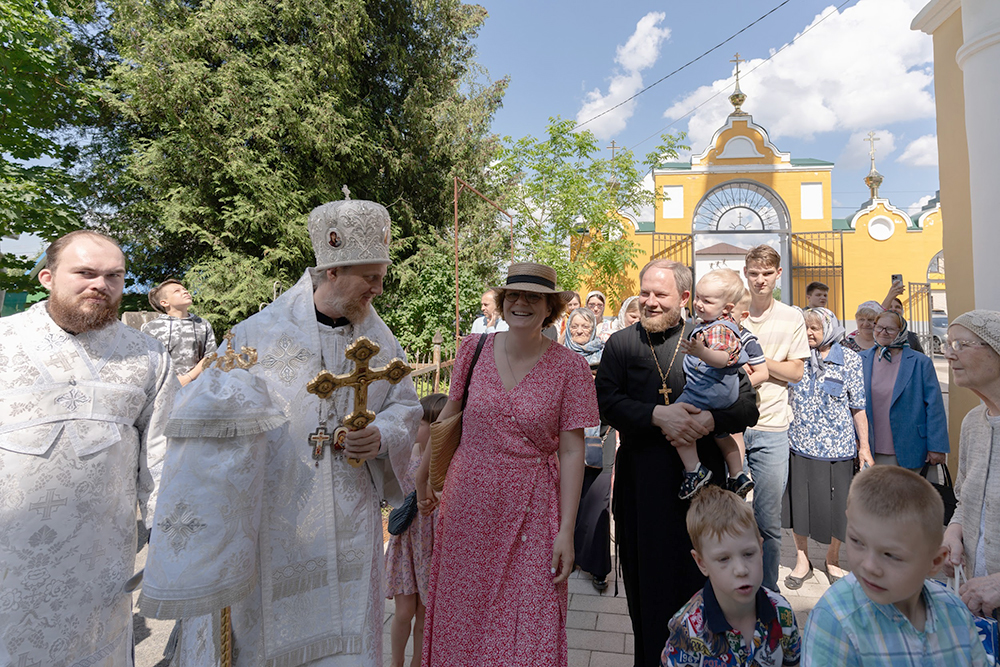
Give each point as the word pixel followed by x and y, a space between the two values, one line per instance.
pixel 943 20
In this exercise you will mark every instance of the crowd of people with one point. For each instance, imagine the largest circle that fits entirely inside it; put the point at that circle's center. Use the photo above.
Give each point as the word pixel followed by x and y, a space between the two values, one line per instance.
pixel 702 432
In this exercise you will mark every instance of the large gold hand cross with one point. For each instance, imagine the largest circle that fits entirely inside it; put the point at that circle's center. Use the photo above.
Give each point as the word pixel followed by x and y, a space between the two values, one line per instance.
pixel 323 385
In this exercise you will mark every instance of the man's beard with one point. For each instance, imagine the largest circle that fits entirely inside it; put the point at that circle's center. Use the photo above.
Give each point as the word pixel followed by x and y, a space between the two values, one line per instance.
pixel 355 311
pixel 661 321
pixel 76 315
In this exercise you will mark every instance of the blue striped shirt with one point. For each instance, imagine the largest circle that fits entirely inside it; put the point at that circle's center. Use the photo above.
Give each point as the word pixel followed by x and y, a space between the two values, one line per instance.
pixel 847 628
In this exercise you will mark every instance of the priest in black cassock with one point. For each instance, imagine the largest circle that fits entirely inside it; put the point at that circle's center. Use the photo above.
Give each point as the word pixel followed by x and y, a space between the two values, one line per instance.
pixel 640 371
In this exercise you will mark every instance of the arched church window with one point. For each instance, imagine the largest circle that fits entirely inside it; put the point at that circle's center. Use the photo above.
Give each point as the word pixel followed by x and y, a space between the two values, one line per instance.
pixel 741 206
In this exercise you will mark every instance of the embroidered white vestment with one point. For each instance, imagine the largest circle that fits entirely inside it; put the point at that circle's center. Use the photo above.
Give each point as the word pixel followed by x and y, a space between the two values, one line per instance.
pixel 318 600
pixel 81 443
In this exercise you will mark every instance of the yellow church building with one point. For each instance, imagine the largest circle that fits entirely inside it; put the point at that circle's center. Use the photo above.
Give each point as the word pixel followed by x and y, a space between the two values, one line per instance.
pixel 741 191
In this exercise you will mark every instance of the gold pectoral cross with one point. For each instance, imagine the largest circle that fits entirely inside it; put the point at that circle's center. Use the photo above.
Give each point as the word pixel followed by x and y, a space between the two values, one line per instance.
pixel 361 353
pixel 665 392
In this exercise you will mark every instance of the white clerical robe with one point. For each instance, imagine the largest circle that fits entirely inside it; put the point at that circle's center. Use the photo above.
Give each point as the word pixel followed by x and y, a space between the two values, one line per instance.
pixel 318 599
pixel 81 442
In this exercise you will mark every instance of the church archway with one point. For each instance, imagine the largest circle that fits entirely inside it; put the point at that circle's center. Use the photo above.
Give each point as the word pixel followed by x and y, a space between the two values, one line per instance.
pixel 742 213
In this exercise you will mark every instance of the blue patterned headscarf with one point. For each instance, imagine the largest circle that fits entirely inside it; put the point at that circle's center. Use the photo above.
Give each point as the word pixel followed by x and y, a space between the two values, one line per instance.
pixel 899 342
pixel 833 332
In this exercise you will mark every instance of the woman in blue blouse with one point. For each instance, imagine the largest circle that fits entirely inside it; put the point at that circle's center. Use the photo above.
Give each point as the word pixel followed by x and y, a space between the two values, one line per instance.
pixel 828 431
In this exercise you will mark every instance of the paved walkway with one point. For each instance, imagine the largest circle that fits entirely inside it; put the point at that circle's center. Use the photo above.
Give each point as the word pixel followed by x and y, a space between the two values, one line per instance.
pixel 599 631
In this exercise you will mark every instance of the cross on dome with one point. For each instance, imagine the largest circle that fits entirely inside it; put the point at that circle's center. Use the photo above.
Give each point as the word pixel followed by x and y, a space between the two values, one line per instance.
pixel 738 97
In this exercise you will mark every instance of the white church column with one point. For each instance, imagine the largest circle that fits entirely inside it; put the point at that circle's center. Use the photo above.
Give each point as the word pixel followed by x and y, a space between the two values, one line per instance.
pixel 979 59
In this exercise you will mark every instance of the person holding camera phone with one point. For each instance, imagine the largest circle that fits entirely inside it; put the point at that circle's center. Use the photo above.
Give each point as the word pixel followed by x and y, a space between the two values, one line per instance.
pixel 892 302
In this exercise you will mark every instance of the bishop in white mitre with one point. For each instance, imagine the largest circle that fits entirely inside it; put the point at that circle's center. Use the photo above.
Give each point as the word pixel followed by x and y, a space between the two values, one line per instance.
pixel 83 403
pixel 316 597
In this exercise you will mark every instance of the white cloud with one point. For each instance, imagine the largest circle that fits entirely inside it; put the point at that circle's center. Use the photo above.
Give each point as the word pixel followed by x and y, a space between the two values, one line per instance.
pixel 640 52
pixel 856 153
pixel 916 206
pixel 858 69
pixel 922 152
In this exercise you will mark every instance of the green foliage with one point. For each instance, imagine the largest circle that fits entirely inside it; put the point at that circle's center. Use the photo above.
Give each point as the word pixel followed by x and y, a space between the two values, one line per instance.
pixel 422 300
pixel 45 94
pixel 229 121
pixel 571 204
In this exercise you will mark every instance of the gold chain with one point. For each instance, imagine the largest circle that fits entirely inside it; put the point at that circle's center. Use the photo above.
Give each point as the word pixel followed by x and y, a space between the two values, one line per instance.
pixel 665 391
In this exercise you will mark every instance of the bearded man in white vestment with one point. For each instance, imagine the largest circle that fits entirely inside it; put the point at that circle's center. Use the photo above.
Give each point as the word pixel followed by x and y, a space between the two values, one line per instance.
pixel 83 402
pixel 319 596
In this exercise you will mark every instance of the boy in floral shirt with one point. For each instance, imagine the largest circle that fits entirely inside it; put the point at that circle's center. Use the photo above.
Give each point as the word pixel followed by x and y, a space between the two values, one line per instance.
pixel 732 620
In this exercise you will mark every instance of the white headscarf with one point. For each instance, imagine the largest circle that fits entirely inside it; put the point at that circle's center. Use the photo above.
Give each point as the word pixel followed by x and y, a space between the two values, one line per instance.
pixel 620 321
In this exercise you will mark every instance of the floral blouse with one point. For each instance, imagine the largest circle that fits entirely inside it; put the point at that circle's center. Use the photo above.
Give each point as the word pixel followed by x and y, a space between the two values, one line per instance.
pixel 822 426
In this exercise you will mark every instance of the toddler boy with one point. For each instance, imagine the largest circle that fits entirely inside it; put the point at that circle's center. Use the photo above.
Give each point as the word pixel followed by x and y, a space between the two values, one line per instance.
pixel 885 613
pixel 713 355
pixel 733 620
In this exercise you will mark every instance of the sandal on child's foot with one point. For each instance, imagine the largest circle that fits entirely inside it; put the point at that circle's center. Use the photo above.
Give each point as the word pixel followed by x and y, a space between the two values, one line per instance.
pixel 741 485
pixel 693 481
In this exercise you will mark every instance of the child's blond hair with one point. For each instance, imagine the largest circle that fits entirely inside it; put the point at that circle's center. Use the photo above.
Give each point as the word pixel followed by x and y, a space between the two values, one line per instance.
pixel 896 494
pixel 743 304
pixel 715 512
pixel 728 281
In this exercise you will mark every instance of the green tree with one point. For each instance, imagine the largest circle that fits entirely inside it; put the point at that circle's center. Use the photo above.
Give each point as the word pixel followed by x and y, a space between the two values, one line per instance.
pixel 46 94
pixel 571 203
pixel 229 121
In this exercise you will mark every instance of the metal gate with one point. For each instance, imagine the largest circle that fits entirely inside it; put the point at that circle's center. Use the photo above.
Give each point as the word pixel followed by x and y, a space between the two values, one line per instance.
pixel 917 311
pixel 676 247
pixel 819 257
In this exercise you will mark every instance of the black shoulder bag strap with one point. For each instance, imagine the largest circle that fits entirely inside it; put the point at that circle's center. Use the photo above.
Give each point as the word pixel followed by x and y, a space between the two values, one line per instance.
pixel 472 366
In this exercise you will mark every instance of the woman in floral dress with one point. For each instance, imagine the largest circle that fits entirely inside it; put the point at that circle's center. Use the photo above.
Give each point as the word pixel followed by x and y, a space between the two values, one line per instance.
pixel 828 430
pixel 504 535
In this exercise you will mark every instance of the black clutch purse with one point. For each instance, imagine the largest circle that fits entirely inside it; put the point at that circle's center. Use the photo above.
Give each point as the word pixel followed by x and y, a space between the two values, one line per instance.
pixel 401 517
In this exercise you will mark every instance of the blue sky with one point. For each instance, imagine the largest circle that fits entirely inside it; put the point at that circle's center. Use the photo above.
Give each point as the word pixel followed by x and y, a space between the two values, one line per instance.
pixel 860 69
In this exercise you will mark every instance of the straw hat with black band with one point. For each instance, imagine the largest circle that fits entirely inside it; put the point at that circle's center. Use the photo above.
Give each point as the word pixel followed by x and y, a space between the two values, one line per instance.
pixel 533 277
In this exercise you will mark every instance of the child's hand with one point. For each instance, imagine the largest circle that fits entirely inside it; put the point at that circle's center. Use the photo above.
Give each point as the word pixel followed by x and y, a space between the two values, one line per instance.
pixel 693 346
pixel 427 506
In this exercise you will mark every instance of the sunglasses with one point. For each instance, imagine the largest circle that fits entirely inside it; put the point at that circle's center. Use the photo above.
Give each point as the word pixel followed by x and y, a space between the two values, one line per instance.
pixel 530 297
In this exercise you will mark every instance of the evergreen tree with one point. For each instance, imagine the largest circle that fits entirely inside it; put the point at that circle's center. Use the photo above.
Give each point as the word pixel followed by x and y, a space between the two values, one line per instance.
pixel 230 120
pixel 47 94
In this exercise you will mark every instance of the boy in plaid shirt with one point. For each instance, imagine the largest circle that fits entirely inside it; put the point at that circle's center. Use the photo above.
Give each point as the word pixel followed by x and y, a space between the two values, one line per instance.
pixel 886 612
pixel 713 355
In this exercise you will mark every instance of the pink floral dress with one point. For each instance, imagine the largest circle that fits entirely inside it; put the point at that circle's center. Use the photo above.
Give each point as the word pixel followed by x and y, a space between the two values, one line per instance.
pixel 492 600
pixel 408 558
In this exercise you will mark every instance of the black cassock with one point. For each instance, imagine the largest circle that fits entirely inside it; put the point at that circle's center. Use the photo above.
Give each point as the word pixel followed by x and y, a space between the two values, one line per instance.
pixel 653 545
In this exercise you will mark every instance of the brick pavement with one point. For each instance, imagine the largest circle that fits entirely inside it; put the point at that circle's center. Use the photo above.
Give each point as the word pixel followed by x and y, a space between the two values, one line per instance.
pixel 598 628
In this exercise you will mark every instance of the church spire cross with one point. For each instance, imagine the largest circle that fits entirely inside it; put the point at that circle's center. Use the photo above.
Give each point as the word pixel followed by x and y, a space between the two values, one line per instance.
pixel 613 147
pixel 738 97
pixel 871 139
pixel 738 60
pixel 874 179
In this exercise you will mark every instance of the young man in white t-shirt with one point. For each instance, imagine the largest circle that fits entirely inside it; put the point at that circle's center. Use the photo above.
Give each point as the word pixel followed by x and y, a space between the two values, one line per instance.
pixel 782 335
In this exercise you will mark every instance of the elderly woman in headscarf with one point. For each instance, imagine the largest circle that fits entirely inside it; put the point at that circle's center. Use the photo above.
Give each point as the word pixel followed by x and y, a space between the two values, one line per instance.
pixel 592 538
pixel 906 418
pixel 581 336
pixel 863 338
pixel 828 431
pixel 973 352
